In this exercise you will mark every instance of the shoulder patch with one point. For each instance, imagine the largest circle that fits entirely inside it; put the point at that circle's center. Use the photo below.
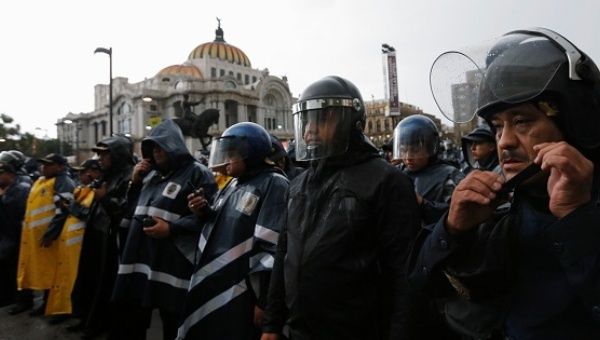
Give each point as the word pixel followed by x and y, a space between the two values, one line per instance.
pixel 171 190
pixel 247 203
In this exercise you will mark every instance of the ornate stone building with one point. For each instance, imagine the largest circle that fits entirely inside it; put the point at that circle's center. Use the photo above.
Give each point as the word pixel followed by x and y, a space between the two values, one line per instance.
pixel 380 128
pixel 216 75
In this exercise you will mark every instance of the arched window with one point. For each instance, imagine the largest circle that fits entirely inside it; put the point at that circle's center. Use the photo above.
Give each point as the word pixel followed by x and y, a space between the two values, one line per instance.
pixel 231 112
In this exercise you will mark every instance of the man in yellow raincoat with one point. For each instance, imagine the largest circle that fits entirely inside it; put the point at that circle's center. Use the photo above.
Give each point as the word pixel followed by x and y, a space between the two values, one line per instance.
pixel 45 216
pixel 69 242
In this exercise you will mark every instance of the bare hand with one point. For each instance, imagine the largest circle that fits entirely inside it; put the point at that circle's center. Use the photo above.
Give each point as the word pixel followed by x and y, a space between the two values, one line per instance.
pixel 474 200
pixel 197 203
pixel 159 230
pixel 269 336
pixel 100 192
pixel 419 198
pixel 258 316
pixel 140 170
pixel 571 175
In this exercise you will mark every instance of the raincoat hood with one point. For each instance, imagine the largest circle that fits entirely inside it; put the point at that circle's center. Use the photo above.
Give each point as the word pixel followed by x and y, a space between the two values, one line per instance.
pixel 168 136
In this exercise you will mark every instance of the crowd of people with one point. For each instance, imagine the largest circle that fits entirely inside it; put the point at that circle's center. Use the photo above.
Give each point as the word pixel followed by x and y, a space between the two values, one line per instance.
pixel 332 238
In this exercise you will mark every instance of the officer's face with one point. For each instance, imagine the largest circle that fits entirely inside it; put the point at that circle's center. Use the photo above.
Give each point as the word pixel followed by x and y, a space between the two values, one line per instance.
pixel 415 158
pixel 86 176
pixel 160 157
pixel 50 170
pixel 6 178
pixel 481 150
pixel 320 127
pixel 518 129
pixel 105 160
pixel 236 166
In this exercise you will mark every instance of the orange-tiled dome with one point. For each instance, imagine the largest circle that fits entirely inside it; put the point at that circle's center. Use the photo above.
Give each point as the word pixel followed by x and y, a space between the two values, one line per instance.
pixel 181 70
pixel 221 50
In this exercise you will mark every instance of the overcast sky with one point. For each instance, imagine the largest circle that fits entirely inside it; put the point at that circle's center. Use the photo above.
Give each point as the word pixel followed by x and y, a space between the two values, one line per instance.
pixel 47 65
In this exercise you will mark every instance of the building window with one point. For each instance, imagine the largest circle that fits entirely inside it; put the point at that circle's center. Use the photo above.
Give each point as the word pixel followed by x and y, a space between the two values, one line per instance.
pixel 221 73
pixel 103 128
pixel 378 126
pixel 95 132
pixel 254 79
pixel 213 72
pixel 239 77
pixel 370 126
pixel 386 125
pixel 251 113
pixel 127 125
pixel 231 73
pixel 152 107
pixel 246 79
pixel 231 112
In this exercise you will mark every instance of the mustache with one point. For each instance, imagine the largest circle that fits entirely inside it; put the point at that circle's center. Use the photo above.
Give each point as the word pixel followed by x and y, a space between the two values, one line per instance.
pixel 513 155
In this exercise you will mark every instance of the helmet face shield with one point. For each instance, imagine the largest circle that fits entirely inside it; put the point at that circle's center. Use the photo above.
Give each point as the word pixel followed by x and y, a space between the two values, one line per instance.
pixel 226 150
pixel 512 69
pixel 414 143
pixel 322 132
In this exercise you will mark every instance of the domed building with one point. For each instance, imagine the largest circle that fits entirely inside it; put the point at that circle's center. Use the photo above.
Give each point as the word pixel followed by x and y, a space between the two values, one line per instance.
pixel 216 75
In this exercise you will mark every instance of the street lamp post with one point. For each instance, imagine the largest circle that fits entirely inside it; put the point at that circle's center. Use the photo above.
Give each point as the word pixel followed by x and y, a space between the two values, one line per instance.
pixel 110 106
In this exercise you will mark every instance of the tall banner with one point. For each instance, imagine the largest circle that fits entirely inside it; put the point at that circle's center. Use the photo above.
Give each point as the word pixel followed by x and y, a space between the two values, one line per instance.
pixel 390 79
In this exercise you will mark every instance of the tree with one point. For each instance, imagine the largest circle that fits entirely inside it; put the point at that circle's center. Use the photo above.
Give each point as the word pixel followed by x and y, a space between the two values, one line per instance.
pixel 11 138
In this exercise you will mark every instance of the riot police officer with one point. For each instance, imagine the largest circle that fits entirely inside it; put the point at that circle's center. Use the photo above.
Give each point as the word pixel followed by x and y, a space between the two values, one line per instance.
pixel 228 288
pixel 532 271
pixel 479 150
pixel 338 272
pixel 416 143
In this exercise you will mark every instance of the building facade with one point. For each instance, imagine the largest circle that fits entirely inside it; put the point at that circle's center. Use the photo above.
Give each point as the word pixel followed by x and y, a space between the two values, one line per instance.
pixel 216 75
pixel 380 128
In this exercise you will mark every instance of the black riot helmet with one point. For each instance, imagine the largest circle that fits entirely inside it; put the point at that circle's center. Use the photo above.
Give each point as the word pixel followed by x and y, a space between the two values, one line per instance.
pixel 416 136
pixel 14 158
pixel 526 66
pixel 327 115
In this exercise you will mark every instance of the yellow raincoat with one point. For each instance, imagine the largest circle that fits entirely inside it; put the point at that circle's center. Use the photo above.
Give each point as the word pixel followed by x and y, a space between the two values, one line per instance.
pixel 37 263
pixel 69 249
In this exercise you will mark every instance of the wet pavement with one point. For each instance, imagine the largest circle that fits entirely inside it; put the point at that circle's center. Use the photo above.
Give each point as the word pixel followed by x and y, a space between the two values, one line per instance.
pixel 26 327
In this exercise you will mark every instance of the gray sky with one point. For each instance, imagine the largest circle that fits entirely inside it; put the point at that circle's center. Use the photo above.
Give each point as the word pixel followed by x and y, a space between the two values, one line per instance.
pixel 48 68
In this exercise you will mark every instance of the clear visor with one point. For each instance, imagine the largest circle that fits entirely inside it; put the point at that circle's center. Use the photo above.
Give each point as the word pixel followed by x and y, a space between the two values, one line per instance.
pixel 411 144
pixel 226 150
pixel 512 69
pixel 322 133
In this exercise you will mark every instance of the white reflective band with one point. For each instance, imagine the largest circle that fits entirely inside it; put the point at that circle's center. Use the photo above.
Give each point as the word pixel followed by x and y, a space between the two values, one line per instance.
pixel 266 234
pixel 157 212
pixel 265 259
pixel 38 223
pixel 125 223
pixel 161 277
pixel 57 211
pixel 76 226
pixel 42 209
pixel 68 195
pixel 210 306
pixel 74 240
pixel 202 243
pixel 221 261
